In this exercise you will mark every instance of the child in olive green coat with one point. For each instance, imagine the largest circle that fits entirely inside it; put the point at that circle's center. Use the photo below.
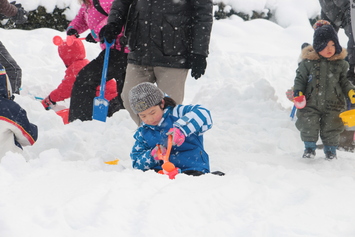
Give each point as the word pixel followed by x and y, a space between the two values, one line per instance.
pixel 320 88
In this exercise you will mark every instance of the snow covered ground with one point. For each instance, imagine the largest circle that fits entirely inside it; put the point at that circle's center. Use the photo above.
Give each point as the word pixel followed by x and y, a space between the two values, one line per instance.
pixel 61 187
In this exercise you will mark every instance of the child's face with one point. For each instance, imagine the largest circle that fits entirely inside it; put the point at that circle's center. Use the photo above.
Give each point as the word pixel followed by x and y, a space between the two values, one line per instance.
pixel 329 50
pixel 153 115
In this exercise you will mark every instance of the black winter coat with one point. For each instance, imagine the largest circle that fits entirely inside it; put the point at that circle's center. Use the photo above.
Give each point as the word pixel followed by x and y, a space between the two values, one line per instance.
pixel 164 32
pixel 336 11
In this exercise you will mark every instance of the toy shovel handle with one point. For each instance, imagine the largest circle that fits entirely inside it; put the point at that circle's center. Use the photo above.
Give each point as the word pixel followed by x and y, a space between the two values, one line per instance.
pixel 105 68
pixel 168 149
pixel 168 166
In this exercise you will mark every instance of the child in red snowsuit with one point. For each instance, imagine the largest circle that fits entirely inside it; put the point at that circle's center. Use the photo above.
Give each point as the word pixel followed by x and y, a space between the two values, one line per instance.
pixel 74 59
pixel 73 55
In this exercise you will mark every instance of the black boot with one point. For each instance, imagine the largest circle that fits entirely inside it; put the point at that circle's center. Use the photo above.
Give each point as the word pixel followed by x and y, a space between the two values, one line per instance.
pixel 330 152
pixel 309 153
pixel 330 156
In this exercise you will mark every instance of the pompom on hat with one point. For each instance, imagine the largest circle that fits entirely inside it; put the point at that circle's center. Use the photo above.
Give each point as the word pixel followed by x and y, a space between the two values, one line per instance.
pixel 324 34
pixel 143 96
pixel 320 23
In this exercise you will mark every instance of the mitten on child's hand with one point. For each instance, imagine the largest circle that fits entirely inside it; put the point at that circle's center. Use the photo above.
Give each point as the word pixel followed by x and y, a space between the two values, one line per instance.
pixel 289 94
pixel 73 32
pixel 47 103
pixel 90 39
pixel 178 136
pixel 299 100
pixel 110 91
pixel 155 151
pixel 351 95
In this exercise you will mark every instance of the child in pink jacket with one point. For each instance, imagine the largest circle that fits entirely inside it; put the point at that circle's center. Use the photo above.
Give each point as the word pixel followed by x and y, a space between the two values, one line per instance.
pixel 93 18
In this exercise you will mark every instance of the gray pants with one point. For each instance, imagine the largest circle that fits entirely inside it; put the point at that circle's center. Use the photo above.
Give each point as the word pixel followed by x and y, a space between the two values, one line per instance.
pixel 170 80
pixel 13 70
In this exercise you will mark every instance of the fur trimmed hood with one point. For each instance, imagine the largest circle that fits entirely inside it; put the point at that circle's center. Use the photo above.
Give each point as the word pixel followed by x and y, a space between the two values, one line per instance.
pixel 310 54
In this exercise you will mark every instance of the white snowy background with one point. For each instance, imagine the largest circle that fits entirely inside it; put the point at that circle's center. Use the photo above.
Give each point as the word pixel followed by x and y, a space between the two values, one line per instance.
pixel 61 186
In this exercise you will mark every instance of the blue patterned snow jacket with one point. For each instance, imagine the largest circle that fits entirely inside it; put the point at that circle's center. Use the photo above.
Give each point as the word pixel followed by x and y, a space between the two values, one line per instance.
pixel 193 121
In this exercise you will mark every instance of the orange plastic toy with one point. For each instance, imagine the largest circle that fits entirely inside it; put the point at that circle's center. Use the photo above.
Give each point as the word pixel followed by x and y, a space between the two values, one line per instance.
pixel 168 167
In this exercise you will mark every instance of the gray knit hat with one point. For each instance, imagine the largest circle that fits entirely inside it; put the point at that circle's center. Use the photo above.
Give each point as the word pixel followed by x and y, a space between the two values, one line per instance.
pixel 143 96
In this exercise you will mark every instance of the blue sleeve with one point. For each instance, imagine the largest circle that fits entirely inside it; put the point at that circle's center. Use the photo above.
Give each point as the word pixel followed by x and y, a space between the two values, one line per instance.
pixel 192 119
pixel 140 155
pixel 30 129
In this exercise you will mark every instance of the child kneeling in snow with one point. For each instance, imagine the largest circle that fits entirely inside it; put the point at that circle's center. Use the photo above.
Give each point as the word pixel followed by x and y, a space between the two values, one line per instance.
pixel 73 56
pixel 161 117
pixel 320 88
pixel 15 129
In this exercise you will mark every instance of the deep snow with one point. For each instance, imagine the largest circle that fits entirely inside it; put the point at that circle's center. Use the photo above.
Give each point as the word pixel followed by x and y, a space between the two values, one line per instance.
pixel 62 187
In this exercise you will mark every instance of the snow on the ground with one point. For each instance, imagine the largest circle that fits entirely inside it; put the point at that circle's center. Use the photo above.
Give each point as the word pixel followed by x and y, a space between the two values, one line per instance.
pixel 62 187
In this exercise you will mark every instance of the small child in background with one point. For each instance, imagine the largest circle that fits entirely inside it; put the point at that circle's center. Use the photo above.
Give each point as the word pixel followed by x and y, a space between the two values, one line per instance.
pixel 321 85
pixel 74 59
pixel 160 117
pixel 73 55
pixel 15 129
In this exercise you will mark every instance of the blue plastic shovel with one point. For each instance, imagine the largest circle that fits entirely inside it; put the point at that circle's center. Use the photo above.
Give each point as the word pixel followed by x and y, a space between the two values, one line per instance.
pixel 100 107
pixel 292 115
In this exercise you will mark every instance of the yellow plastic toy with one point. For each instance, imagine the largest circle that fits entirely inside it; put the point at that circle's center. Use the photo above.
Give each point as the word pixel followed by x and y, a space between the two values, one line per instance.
pixel 112 162
pixel 348 117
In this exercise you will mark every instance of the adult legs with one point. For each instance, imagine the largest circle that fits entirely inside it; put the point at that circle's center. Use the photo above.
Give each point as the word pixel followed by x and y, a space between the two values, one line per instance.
pixel 170 80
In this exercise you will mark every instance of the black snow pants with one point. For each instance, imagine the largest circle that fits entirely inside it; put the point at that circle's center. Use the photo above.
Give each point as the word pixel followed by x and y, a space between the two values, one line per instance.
pixel 87 80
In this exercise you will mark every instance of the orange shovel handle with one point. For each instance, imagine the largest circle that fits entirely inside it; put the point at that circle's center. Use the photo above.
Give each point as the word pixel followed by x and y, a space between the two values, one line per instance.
pixel 168 149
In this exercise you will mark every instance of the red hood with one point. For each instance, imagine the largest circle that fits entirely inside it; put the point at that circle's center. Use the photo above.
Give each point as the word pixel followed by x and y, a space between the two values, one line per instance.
pixel 72 53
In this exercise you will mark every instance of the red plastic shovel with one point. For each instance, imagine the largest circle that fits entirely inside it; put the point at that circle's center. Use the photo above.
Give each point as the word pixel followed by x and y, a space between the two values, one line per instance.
pixel 64 113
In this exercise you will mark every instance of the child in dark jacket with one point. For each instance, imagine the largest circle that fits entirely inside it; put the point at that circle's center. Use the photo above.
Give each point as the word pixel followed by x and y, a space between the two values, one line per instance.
pixel 320 88
pixel 162 117
pixel 15 129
